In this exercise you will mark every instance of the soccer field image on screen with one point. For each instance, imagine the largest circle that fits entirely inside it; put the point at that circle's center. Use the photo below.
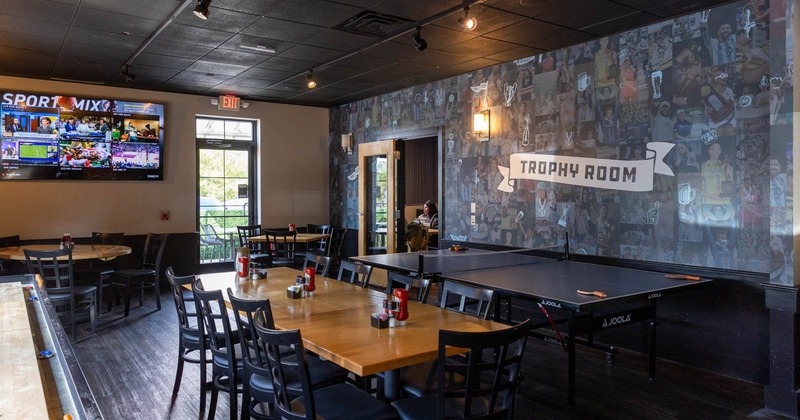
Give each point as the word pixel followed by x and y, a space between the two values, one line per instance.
pixel 38 152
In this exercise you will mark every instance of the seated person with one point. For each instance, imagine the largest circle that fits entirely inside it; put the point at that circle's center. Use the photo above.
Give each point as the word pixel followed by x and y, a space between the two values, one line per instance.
pixel 14 126
pixel 70 126
pixel 131 130
pixel 45 126
pixel 430 215
pixel 148 132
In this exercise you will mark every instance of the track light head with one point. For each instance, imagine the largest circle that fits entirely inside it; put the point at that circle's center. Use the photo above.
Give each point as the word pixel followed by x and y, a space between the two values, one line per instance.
pixel 310 82
pixel 201 10
pixel 468 22
pixel 419 43
pixel 129 77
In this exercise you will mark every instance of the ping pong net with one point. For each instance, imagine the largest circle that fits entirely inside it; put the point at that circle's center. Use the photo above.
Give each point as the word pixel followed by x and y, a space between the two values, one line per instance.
pixel 463 261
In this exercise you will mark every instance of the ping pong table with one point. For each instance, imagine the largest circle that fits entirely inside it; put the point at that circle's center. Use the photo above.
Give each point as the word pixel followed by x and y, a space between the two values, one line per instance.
pixel 553 283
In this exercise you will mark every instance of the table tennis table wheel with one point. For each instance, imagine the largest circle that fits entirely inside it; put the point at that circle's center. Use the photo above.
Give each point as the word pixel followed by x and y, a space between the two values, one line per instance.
pixel 610 356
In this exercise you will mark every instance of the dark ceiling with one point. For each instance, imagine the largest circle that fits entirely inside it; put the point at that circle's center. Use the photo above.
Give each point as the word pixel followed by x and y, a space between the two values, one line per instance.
pixel 90 41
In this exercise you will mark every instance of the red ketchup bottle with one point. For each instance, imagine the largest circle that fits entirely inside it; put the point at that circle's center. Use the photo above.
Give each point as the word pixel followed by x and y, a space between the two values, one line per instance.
pixel 310 273
pixel 402 312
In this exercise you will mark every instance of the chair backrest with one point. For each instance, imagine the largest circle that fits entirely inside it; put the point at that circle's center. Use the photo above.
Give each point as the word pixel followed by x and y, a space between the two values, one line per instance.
pixel 153 250
pixel 335 245
pixel 287 369
pixel 247 232
pixel 423 284
pixel 211 307
pixel 319 247
pixel 489 372
pixel 471 300
pixel 57 274
pixel 252 350
pixel 107 238
pixel 321 264
pixel 417 236
pixel 357 273
pixel 209 235
pixel 187 315
pixel 281 244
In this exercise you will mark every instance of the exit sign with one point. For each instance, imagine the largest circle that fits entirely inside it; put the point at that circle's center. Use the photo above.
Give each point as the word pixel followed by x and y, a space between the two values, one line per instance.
pixel 229 102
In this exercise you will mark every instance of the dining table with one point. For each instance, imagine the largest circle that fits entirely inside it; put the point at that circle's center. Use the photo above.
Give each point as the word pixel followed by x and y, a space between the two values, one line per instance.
pixel 300 238
pixel 79 252
pixel 335 322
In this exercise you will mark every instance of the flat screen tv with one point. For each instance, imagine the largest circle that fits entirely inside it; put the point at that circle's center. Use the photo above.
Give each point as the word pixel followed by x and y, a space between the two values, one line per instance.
pixel 80 138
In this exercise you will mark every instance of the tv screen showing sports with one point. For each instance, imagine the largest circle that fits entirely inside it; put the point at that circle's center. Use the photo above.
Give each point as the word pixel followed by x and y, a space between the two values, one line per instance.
pixel 69 137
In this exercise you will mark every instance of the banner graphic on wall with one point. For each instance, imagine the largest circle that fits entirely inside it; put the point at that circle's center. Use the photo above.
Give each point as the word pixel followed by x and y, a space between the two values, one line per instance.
pixel 622 175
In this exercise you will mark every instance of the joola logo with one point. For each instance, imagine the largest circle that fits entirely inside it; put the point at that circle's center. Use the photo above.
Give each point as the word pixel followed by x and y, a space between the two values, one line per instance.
pixel 551 303
pixel 551 340
pixel 654 295
pixel 616 320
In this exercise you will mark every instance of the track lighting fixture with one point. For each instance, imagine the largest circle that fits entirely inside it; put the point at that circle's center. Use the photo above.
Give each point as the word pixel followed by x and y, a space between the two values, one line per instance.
pixel 201 10
pixel 419 43
pixel 129 77
pixel 310 82
pixel 468 22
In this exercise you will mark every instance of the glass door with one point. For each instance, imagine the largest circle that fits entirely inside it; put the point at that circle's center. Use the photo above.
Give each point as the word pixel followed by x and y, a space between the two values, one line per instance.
pixel 225 168
pixel 376 192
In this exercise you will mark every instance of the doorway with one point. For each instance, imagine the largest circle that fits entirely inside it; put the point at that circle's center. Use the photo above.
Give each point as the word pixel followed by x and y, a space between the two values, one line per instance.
pixel 392 191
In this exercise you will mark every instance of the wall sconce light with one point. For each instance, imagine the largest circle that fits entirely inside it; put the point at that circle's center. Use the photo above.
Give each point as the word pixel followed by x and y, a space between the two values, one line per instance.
pixel 347 143
pixel 480 125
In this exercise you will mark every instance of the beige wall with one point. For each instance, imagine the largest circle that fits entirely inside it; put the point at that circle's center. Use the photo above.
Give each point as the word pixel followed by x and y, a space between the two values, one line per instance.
pixel 292 172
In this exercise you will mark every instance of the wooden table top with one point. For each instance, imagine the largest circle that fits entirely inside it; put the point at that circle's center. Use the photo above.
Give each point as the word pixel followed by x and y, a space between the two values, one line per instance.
pixel 79 252
pixel 301 238
pixel 335 321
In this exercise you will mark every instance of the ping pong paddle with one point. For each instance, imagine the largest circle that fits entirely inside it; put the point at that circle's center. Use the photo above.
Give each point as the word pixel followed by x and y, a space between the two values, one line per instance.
pixel 601 295
pixel 682 277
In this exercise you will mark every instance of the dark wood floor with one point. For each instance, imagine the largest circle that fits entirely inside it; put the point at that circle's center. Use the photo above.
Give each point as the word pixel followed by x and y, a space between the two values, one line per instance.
pixel 130 365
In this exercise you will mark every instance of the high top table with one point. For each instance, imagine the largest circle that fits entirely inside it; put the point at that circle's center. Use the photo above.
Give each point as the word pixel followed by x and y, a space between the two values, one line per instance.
pixel 301 238
pixel 79 252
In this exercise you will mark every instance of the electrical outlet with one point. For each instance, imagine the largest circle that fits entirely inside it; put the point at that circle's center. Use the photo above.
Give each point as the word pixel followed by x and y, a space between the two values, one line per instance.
pixel 164 214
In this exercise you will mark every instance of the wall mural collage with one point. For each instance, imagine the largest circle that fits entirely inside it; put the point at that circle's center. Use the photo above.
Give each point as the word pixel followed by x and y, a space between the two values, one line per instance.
pixel 667 143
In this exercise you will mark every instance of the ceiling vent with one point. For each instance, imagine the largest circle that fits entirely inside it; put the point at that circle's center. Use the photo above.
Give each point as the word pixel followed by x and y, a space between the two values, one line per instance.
pixel 373 23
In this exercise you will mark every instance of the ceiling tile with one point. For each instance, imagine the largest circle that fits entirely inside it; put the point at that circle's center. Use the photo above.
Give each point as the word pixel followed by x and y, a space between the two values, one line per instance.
pixel 314 12
pixel 282 30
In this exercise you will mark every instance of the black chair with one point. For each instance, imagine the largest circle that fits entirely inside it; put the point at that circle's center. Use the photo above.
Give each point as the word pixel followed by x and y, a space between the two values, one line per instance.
pixel 322 246
pixel 422 284
pixel 258 255
pixel 226 352
pixel 281 245
pixel 9 267
pixel 321 264
pixel 256 381
pixel 210 239
pixel 420 379
pixel 335 245
pixel 470 300
pixel 65 296
pixel 98 273
pixel 295 397
pixel 359 273
pixel 192 341
pixel 487 384
pixel 148 276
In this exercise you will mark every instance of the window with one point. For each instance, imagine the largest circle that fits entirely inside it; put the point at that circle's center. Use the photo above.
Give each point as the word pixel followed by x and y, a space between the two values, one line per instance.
pixel 225 173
